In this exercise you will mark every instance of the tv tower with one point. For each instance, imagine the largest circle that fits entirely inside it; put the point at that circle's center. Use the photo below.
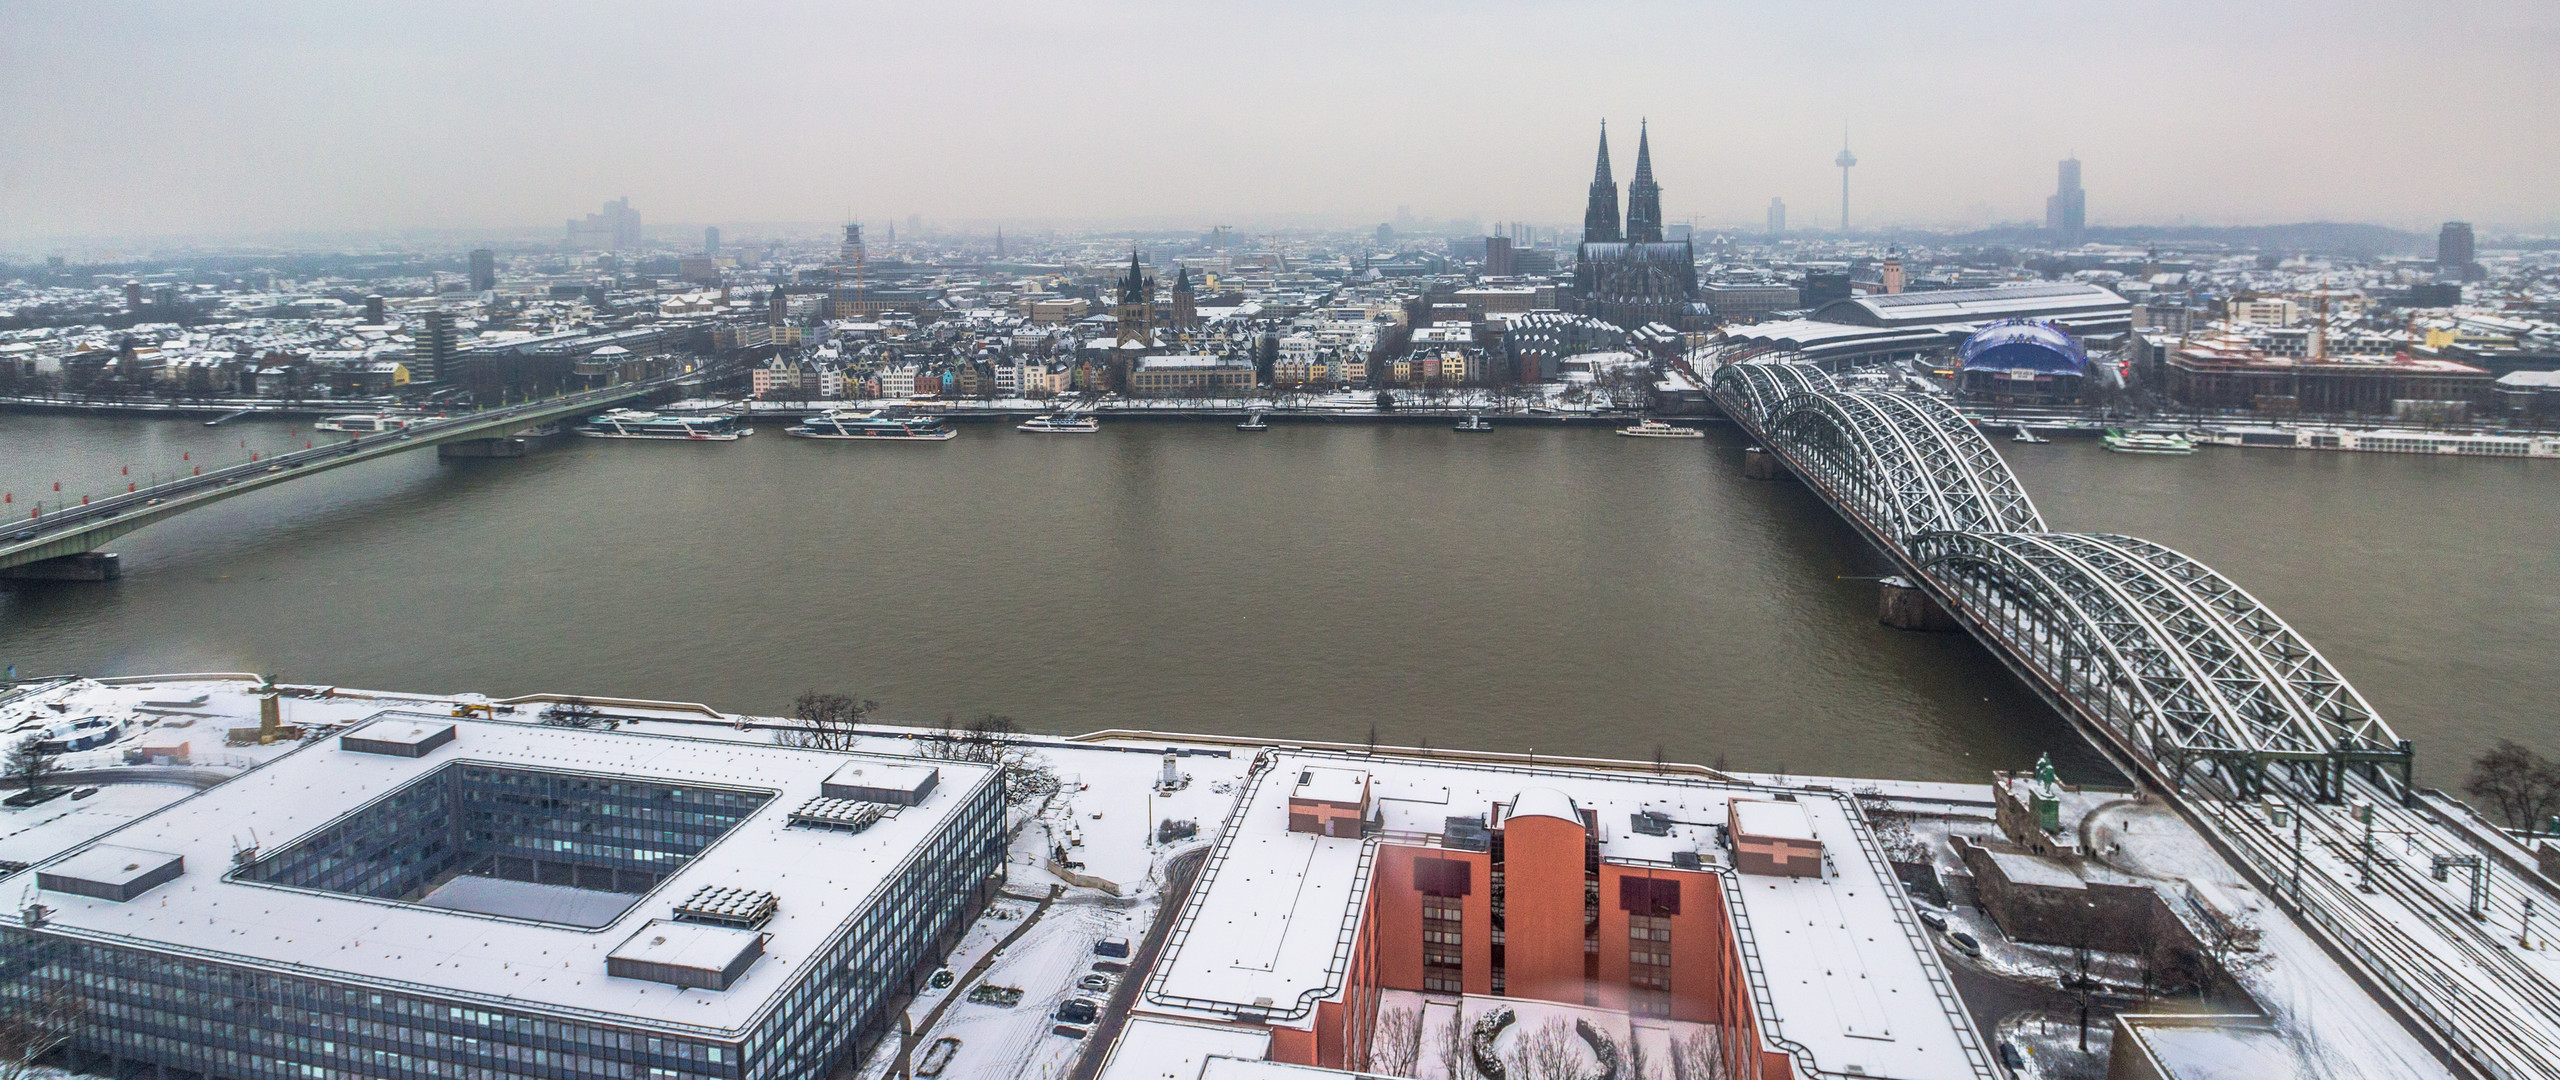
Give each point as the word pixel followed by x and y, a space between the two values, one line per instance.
pixel 1845 160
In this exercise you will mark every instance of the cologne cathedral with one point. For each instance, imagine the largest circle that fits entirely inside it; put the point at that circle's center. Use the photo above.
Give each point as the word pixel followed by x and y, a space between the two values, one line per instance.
pixel 1631 276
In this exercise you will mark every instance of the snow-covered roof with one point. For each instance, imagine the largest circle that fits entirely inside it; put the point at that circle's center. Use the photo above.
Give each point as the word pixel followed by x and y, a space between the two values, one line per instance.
pixel 824 879
pixel 1845 970
pixel 1545 802
pixel 1772 819
pixel 1154 1048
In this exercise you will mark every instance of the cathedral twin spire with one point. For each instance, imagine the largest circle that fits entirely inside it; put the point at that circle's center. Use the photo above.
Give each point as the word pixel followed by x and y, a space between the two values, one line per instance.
pixel 1644 198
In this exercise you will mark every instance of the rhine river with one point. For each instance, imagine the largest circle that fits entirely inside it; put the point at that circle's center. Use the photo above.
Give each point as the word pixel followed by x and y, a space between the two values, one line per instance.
pixel 1551 590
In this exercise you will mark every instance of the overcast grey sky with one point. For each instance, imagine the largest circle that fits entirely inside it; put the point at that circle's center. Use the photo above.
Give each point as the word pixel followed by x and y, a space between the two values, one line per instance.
pixel 153 119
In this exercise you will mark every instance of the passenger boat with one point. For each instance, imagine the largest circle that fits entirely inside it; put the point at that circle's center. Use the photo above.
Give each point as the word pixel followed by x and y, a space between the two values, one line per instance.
pixel 642 424
pixel 1255 420
pixel 2149 442
pixel 871 425
pixel 364 423
pixel 1060 424
pixel 2390 441
pixel 1474 423
pixel 2026 436
pixel 1656 429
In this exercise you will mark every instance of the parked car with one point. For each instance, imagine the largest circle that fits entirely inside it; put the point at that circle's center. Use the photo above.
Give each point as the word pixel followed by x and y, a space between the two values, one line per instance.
pixel 1109 968
pixel 1965 944
pixel 1099 984
pixel 1934 921
pixel 1078 1011
pixel 2010 1058
pixel 1069 1032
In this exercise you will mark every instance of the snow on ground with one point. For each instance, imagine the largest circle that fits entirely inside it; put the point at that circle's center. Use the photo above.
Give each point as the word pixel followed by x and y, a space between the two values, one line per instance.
pixel 2314 1002
pixel 2050 1044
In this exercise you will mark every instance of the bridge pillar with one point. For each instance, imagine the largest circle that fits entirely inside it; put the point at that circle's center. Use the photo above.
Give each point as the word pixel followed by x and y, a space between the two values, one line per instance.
pixel 1759 464
pixel 1902 605
pixel 85 566
pixel 513 446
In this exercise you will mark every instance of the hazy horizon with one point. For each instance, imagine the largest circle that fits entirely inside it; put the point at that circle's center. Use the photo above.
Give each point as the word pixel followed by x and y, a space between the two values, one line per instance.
pixel 152 120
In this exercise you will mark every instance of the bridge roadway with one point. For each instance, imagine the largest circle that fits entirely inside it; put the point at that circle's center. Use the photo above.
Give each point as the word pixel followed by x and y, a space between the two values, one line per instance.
pixel 2193 687
pixel 74 530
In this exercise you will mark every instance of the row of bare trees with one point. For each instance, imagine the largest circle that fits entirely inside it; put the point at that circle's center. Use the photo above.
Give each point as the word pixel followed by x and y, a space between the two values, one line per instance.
pixel 833 721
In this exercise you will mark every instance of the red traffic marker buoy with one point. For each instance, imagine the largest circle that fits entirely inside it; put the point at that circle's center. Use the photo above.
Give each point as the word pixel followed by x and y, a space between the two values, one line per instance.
pixel 9 497
pixel 128 489
pixel 84 500
pixel 199 471
pixel 306 444
pixel 126 470
pixel 253 455
pixel 190 456
pixel 57 485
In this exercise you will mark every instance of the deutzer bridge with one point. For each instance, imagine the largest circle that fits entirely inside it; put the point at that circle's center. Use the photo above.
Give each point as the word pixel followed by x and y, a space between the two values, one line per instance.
pixel 56 544
pixel 2196 689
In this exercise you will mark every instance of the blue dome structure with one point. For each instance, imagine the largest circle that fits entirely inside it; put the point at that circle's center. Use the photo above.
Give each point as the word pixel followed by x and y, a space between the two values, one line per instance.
pixel 2021 360
pixel 2015 344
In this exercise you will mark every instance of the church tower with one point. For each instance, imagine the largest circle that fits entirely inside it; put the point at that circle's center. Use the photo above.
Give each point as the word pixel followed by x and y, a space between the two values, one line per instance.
pixel 1186 308
pixel 1136 313
pixel 1600 219
pixel 1644 197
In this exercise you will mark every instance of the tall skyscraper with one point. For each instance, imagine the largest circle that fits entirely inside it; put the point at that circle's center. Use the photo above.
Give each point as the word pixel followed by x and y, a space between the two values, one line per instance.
pixel 1600 218
pixel 432 359
pixel 1497 256
pixel 850 252
pixel 484 270
pixel 1777 217
pixel 711 240
pixel 2066 211
pixel 616 229
pixel 1844 161
pixel 2457 256
pixel 1644 197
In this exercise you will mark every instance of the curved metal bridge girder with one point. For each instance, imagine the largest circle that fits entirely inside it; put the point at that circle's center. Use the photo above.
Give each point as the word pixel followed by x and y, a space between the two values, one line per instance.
pixel 2218 671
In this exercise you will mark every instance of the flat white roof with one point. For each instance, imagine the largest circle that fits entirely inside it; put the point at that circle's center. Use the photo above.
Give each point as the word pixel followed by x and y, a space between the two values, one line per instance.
pixel 1154 1048
pixel 823 877
pixel 108 864
pixel 1330 785
pixel 1771 819
pixel 688 945
pixel 1848 972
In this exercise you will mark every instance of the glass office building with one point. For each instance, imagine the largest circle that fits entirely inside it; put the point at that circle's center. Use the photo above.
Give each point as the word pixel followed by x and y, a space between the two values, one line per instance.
pixel 512 901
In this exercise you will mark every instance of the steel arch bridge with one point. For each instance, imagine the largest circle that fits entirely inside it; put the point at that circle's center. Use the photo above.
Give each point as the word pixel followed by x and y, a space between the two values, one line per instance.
pixel 2177 666
pixel 2181 665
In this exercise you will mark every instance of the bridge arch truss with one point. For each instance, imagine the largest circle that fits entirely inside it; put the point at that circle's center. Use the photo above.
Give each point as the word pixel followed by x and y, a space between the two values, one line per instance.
pixel 2182 666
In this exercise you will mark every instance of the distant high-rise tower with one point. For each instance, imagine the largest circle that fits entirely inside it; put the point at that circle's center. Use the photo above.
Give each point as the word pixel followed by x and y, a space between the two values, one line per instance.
pixel 1777 217
pixel 1600 219
pixel 615 229
pixel 2066 211
pixel 2457 255
pixel 436 346
pixel 1844 161
pixel 484 270
pixel 1497 256
pixel 850 252
pixel 1644 197
pixel 999 241
pixel 1891 275
pixel 711 240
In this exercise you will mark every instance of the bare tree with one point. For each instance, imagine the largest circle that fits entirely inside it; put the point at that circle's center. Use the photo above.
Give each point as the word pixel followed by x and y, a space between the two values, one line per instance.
pixel 29 766
pixel 1453 1050
pixel 994 739
pixel 1698 1056
pixel 1397 1047
pixel 34 1022
pixel 576 713
pixel 2523 785
pixel 823 721
pixel 1549 1051
pixel 1639 1063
